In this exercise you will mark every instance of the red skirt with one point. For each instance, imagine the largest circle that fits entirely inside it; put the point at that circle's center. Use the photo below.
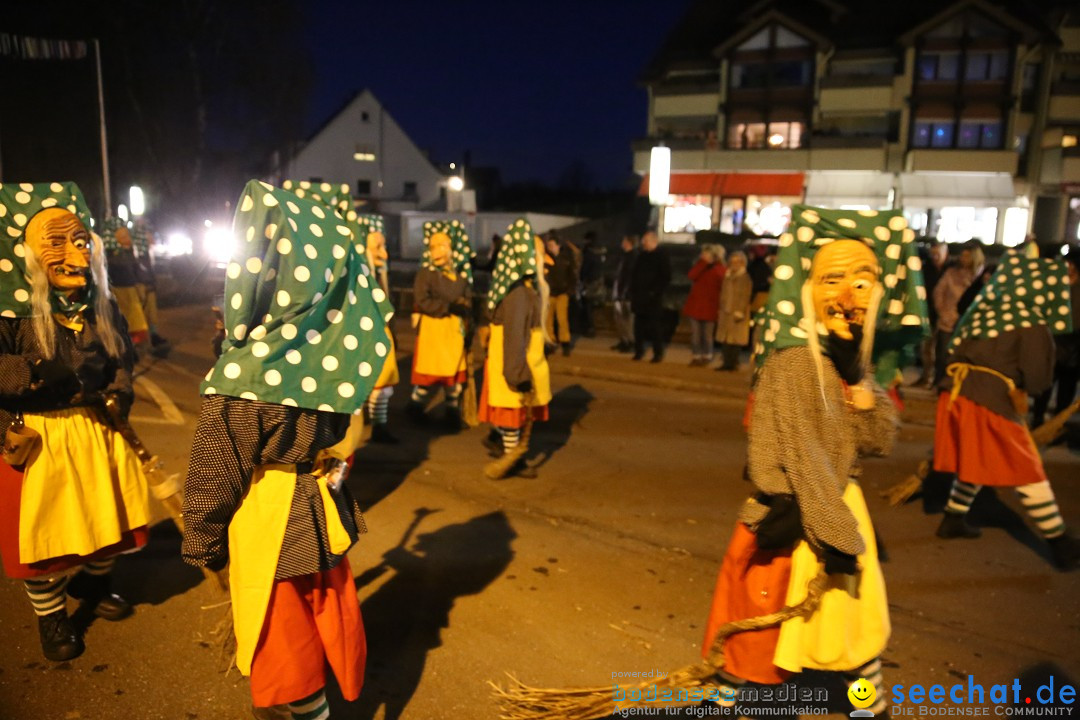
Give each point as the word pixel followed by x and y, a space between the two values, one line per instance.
pixel 752 582
pixel 507 417
pixel 426 380
pixel 10 502
pixel 311 621
pixel 982 447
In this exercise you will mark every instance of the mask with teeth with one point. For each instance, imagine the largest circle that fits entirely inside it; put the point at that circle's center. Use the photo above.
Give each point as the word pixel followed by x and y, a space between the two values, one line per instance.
pixel 61 245
pixel 843 278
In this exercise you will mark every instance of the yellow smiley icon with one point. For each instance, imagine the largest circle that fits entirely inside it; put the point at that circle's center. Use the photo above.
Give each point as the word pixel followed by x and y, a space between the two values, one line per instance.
pixel 861 693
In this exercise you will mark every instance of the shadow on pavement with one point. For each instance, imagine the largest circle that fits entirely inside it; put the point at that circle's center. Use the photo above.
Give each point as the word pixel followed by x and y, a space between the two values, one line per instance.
pixel 404 618
pixel 157 572
pixel 380 469
pixel 568 406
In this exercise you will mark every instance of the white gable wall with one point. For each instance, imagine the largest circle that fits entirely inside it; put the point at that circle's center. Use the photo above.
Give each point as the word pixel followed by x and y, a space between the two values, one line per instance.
pixel 329 156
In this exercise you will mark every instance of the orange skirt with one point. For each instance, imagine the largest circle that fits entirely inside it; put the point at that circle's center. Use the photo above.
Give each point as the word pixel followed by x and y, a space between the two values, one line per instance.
pixel 507 417
pixel 10 502
pixel 982 447
pixel 752 582
pixel 426 380
pixel 311 621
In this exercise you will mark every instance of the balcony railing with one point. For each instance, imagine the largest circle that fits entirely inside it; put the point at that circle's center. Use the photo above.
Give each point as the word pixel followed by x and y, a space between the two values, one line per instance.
pixel 856 81
pixel 830 142
pixel 1065 88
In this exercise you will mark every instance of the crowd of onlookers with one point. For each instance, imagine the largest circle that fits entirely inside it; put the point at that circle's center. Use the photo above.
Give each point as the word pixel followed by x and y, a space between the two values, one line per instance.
pixel 726 289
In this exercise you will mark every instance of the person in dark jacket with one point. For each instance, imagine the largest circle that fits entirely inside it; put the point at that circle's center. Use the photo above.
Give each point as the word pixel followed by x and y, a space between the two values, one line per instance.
pixel 623 317
pixel 703 301
pixel 562 279
pixel 591 294
pixel 934 263
pixel 650 278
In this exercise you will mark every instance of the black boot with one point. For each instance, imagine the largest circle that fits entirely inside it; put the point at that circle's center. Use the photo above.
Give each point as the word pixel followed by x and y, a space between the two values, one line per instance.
pixel 380 434
pixel 452 418
pixel 566 349
pixel 522 469
pixel 955 525
pixel 1065 550
pixel 494 444
pixel 59 641
pixel 415 412
pixel 96 592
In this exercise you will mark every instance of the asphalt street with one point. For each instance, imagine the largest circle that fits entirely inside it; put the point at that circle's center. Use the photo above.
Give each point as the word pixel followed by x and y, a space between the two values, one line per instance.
pixel 603 565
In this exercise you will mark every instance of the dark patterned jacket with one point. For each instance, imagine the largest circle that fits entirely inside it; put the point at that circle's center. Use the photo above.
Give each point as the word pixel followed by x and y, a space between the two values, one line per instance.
pixel 234 437
pixel 434 293
pixel 81 351
pixel 804 441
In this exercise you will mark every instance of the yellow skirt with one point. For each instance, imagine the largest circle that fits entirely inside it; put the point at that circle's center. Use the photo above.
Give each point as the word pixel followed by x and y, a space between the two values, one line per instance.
pixel 131 308
pixel 851 626
pixel 440 347
pixel 499 393
pixel 82 489
pixel 388 376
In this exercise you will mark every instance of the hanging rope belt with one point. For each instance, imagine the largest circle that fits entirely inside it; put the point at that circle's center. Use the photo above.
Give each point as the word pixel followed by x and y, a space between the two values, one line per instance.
pixel 959 371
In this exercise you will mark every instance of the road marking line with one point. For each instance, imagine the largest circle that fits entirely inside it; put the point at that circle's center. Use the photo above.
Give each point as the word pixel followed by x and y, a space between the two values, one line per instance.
pixel 171 413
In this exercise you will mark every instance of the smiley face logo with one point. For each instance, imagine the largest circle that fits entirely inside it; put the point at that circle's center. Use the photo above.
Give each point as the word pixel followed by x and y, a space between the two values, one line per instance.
pixel 861 693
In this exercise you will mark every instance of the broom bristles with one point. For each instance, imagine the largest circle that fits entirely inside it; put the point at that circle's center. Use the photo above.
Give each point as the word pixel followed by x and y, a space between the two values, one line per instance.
pixel 521 702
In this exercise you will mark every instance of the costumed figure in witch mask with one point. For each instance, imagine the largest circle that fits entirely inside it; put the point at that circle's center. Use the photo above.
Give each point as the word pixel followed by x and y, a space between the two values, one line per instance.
pixel 124 278
pixel 517 387
pixel 838 276
pixel 142 239
pixel 441 298
pixel 72 492
pixel 1001 352
pixel 265 492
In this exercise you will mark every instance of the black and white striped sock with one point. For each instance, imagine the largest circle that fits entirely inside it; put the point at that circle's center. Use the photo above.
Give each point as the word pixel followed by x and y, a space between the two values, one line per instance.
pixel 313 707
pixel 420 394
pixel 510 437
pixel 871 672
pixel 961 496
pixel 378 405
pixel 100 567
pixel 453 394
pixel 47 595
pixel 1041 506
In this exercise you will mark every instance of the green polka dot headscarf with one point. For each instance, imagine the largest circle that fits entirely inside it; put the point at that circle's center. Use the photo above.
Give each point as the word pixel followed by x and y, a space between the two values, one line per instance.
pixel 305 321
pixel 902 319
pixel 1023 292
pixel 337 196
pixel 516 259
pixel 461 252
pixel 108 235
pixel 18 203
pixel 370 223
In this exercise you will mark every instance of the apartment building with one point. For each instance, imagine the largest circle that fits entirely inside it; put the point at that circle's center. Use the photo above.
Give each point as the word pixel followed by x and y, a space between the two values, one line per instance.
pixel 964 114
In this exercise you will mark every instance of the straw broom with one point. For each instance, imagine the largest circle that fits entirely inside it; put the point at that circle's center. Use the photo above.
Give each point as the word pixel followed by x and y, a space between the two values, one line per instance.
pixel 518 701
pixel 1042 436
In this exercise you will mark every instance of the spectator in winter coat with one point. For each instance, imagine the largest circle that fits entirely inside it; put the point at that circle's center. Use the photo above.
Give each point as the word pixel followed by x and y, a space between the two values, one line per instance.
pixel 702 303
pixel 733 320
pixel 651 276
pixel 620 295
pixel 954 281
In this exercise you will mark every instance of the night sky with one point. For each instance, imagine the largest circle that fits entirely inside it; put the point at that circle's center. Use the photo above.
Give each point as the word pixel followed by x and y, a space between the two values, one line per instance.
pixel 529 88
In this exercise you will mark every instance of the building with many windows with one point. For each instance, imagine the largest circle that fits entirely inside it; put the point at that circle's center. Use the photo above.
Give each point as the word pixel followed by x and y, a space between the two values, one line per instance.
pixel 965 114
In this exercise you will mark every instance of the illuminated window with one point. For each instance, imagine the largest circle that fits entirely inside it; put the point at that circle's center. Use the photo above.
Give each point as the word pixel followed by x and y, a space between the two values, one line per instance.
pixel 1068 141
pixel 775 135
pixel 688 214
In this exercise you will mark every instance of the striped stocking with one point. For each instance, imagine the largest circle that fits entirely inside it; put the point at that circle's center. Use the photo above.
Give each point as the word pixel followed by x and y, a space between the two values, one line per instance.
pixel 378 405
pixel 453 394
pixel 510 437
pixel 313 707
pixel 47 595
pixel 101 567
pixel 961 496
pixel 420 394
pixel 871 672
pixel 1038 500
